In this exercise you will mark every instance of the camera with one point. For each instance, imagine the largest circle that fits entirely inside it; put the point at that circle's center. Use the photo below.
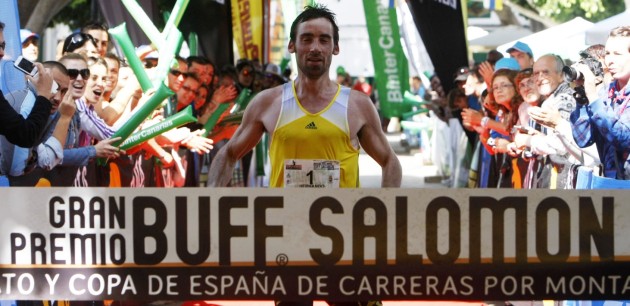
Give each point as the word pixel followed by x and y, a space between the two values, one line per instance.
pixel 571 74
pixel 580 95
pixel 25 66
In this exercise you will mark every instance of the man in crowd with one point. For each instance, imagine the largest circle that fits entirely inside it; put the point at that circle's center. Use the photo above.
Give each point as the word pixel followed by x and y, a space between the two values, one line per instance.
pixel 605 121
pixel 553 115
pixel 100 35
pixel 30 45
pixel 523 54
pixel 50 151
pixel 22 131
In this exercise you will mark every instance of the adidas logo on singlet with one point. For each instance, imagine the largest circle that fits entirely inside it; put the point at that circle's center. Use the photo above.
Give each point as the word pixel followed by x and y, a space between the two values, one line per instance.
pixel 311 126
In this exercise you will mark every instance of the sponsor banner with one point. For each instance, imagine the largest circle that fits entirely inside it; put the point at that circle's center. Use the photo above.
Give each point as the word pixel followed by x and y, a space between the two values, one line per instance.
pixel 391 69
pixel 247 26
pixel 288 244
pixel 441 26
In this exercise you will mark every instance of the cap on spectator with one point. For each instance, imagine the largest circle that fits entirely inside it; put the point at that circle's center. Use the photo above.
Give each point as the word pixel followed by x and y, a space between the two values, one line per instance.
pixel 507 63
pixel 521 46
pixel 341 70
pixel 25 34
pixel 152 55
pixel 272 70
pixel 461 74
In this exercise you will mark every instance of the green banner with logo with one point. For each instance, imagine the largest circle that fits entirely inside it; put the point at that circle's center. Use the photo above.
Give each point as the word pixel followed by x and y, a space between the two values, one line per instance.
pixel 391 70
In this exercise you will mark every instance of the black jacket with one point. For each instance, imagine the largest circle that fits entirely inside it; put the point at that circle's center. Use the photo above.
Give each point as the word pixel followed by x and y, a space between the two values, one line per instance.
pixel 20 131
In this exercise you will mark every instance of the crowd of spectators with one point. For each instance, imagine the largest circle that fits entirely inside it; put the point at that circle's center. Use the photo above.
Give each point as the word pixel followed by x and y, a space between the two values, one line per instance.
pixel 73 143
pixel 536 122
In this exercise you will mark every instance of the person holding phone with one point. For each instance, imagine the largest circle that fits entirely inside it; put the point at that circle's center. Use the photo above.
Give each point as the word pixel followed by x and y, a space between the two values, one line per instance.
pixel 25 132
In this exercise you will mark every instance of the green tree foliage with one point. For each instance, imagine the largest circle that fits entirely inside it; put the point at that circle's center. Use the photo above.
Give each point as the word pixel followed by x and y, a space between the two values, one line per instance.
pixel 76 14
pixel 79 12
pixel 564 10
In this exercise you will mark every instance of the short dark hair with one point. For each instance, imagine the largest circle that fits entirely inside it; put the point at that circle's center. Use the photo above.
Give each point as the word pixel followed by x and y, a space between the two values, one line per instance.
pixel 201 60
pixel 93 25
pixel 314 12
pixel 621 31
pixel 242 63
pixel 192 75
pixel 56 65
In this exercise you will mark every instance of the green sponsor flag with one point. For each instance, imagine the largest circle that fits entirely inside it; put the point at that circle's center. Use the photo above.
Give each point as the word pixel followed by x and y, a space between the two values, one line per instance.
pixel 391 70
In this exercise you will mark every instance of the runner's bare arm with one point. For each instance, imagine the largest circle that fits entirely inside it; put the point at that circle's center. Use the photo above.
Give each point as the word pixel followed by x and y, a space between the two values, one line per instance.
pixel 375 143
pixel 244 139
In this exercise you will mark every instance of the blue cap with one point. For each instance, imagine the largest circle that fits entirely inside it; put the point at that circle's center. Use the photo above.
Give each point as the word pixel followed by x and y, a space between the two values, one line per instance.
pixel 26 34
pixel 507 63
pixel 521 46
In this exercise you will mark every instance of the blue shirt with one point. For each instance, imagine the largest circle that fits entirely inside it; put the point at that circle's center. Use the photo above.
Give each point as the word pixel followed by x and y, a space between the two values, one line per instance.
pixel 606 123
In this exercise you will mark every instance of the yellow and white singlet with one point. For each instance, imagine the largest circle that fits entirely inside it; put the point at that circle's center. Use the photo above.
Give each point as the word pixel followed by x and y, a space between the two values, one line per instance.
pixel 313 150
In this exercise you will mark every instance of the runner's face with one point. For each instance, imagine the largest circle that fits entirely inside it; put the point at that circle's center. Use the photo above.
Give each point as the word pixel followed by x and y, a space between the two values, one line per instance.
pixel 314 47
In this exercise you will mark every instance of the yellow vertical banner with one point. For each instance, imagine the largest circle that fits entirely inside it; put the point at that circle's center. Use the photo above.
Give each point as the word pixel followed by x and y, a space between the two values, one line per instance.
pixel 247 25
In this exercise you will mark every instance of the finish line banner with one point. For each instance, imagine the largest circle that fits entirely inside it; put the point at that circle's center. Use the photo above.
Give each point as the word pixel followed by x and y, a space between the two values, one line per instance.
pixel 288 244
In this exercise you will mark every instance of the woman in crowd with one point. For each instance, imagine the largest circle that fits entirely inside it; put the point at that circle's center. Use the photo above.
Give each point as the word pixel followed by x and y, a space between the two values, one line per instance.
pixel 495 134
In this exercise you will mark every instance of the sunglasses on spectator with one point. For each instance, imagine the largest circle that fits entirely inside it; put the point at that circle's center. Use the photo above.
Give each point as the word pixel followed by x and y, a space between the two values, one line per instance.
pixel 76 41
pixel 176 72
pixel 3 45
pixel 74 73
pixel 187 88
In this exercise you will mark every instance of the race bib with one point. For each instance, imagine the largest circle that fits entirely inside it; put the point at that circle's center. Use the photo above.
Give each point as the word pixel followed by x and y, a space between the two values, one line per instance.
pixel 311 173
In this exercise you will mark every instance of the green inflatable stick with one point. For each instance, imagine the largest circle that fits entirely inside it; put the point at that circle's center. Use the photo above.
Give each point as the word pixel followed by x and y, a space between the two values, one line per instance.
pixel 176 15
pixel 145 23
pixel 142 113
pixel 193 43
pixel 214 118
pixel 242 100
pixel 181 118
pixel 122 37
pixel 167 54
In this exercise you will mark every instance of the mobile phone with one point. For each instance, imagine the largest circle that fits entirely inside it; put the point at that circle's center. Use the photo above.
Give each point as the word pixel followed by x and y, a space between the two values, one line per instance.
pixel 25 66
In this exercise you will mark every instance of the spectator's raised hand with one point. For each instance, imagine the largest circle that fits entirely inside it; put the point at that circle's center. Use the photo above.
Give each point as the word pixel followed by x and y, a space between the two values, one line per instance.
pixel 545 116
pixel 225 93
pixel 67 107
pixel 105 149
pixel 486 70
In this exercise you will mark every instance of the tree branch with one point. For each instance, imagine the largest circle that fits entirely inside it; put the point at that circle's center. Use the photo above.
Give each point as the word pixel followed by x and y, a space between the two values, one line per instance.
pixel 531 14
pixel 43 13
